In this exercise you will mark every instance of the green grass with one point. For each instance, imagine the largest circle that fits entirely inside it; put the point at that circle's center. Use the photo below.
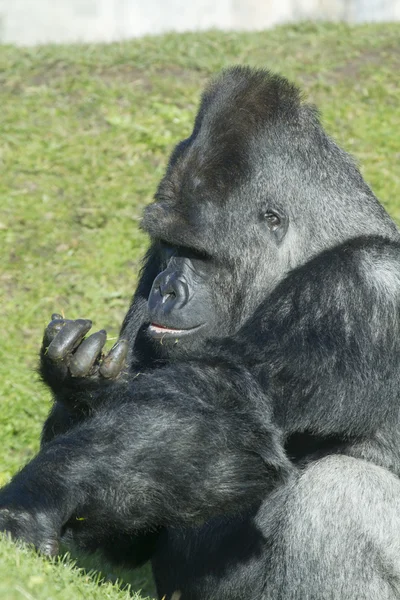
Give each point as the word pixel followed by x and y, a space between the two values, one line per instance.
pixel 85 135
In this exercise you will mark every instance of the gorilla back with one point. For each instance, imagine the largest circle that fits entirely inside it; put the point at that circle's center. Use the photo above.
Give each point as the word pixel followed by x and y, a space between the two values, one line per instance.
pixel 250 444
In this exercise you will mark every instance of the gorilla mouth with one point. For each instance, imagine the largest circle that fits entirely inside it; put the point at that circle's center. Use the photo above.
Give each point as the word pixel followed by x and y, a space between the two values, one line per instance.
pixel 157 331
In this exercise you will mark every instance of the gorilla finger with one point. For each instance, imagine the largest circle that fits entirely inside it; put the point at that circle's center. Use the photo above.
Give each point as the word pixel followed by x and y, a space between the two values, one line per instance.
pixel 115 360
pixel 68 337
pixel 49 548
pixel 85 356
pixel 55 325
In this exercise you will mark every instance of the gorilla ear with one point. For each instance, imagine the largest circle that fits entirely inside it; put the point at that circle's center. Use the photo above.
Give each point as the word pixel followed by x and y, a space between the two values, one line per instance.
pixel 276 222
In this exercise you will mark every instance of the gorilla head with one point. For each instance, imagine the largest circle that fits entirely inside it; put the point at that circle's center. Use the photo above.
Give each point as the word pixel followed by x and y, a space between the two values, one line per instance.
pixel 255 191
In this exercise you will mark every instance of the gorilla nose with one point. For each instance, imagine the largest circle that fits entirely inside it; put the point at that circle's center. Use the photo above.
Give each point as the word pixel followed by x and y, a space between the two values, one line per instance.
pixel 169 292
pixel 176 289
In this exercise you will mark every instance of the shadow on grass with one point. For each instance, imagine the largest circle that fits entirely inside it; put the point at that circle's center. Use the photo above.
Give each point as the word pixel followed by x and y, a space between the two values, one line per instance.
pixel 138 582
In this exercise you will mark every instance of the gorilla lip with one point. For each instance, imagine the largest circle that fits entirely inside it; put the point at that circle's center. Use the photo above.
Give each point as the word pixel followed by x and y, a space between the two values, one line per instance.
pixel 160 331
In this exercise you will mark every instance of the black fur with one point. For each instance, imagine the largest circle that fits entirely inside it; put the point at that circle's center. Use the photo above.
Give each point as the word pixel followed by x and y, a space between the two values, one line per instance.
pixel 206 452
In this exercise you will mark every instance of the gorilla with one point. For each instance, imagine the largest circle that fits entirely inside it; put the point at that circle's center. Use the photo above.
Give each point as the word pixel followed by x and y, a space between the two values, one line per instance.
pixel 243 433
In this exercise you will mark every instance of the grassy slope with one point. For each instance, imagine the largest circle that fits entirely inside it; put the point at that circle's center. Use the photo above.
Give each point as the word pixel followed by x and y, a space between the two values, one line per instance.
pixel 85 132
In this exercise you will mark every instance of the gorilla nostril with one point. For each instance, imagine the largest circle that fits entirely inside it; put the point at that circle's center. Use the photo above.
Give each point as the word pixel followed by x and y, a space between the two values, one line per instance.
pixel 168 296
pixel 166 290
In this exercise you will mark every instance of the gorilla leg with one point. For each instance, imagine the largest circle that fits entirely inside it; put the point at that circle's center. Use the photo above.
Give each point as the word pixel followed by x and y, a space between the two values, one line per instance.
pixel 337 534
pixel 221 560
pixel 331 534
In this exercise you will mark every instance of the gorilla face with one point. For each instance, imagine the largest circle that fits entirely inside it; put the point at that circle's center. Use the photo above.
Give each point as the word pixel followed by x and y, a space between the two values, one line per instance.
pixel 197 294
pixel 208 289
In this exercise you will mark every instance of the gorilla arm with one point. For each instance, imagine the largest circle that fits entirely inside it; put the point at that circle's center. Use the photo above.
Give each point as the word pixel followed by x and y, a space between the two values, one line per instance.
pixel 195 442
pixel 326 344
pixel 75 369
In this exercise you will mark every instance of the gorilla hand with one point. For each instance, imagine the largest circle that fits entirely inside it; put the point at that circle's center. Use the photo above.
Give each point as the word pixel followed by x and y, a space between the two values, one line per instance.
pixel 22 521
pixel 30 528
pixel 40 500
pixel 68 358
pixel 75 367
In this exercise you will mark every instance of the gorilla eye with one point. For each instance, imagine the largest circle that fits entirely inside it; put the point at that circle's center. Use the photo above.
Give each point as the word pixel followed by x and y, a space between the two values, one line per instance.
pixel 272 219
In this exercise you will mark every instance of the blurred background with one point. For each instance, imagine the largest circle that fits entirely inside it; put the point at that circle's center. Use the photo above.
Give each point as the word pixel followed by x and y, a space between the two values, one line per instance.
pixel 39 21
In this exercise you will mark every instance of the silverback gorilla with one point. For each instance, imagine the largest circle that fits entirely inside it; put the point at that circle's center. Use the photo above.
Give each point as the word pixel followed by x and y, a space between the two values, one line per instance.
pixel 243 434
